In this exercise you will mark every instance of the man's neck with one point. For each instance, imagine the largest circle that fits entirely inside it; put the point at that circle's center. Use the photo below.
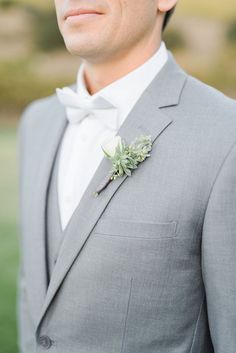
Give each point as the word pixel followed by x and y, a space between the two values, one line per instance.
pixel 99 75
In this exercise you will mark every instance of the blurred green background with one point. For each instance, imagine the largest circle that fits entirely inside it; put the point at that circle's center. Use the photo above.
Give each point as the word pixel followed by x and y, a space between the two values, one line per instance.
pixel 33 62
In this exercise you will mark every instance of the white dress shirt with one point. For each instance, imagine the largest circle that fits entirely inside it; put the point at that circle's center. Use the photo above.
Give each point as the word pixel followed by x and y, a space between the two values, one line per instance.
pixel 80 151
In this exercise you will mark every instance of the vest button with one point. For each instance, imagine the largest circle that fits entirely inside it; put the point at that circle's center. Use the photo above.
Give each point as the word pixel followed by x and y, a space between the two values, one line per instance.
pixel 45 341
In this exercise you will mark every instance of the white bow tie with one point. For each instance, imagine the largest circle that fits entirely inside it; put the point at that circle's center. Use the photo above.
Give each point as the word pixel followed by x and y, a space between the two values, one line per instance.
pixel 78 107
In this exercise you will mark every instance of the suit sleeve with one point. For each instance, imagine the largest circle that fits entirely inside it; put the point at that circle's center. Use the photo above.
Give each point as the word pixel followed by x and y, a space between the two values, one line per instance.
pixel 219 256
pixel 23 318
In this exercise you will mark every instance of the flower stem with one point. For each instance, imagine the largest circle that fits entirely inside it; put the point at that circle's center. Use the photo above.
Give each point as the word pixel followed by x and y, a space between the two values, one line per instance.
pixel 104 184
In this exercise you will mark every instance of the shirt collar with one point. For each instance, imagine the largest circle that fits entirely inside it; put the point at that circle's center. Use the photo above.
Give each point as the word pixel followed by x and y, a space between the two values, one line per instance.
pixel 135 82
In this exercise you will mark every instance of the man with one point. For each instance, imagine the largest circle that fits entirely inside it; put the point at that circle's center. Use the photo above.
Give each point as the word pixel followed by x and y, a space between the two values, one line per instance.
pixel 147 266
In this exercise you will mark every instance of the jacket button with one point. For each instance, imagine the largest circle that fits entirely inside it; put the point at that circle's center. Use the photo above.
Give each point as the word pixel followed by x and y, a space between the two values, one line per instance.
pixel 45 341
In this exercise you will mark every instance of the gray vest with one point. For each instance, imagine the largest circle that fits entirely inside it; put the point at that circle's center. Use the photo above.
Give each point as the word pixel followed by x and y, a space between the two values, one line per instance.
pixel 54 233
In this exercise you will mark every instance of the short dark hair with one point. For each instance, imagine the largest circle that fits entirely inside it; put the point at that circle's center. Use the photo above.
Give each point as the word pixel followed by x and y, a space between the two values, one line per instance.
pixel 167 17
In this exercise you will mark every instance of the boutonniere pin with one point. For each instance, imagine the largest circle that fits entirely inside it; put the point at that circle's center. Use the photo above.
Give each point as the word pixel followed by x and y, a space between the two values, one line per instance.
pixel 124 158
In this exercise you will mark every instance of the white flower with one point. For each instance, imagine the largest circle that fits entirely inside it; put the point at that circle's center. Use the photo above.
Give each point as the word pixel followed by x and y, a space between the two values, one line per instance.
pixel 109 146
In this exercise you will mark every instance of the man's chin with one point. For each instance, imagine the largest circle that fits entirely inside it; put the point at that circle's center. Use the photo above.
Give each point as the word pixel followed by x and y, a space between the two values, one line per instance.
pixel 81 50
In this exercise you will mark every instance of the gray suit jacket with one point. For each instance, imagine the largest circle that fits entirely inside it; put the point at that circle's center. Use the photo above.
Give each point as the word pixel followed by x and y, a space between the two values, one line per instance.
pixel 149 266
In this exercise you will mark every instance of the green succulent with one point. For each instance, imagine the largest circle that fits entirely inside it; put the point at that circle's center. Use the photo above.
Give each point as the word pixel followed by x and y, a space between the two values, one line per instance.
pixel 127 157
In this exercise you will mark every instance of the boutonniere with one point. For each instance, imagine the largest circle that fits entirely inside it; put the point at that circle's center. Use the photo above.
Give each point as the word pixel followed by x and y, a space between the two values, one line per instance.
pixel 124 158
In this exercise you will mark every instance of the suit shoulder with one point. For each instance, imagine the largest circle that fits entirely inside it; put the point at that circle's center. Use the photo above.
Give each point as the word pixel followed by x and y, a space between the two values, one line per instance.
pixel 37 106
pixel 209 113
pixel 36 111
pixel 204 98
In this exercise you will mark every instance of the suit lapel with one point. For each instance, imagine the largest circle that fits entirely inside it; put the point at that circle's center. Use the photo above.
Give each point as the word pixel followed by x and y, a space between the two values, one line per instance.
pixel 145 118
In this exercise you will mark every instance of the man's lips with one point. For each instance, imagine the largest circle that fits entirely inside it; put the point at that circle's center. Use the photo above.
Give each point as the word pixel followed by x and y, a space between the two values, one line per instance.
pixel 77 12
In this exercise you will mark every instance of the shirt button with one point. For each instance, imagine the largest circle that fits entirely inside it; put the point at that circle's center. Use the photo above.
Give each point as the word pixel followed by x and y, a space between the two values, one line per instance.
pixel 45 342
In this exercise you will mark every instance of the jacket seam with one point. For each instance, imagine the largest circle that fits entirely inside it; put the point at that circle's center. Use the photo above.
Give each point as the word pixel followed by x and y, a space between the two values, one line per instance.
pixel 126 316
pixel 217 175
pixel 195 330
